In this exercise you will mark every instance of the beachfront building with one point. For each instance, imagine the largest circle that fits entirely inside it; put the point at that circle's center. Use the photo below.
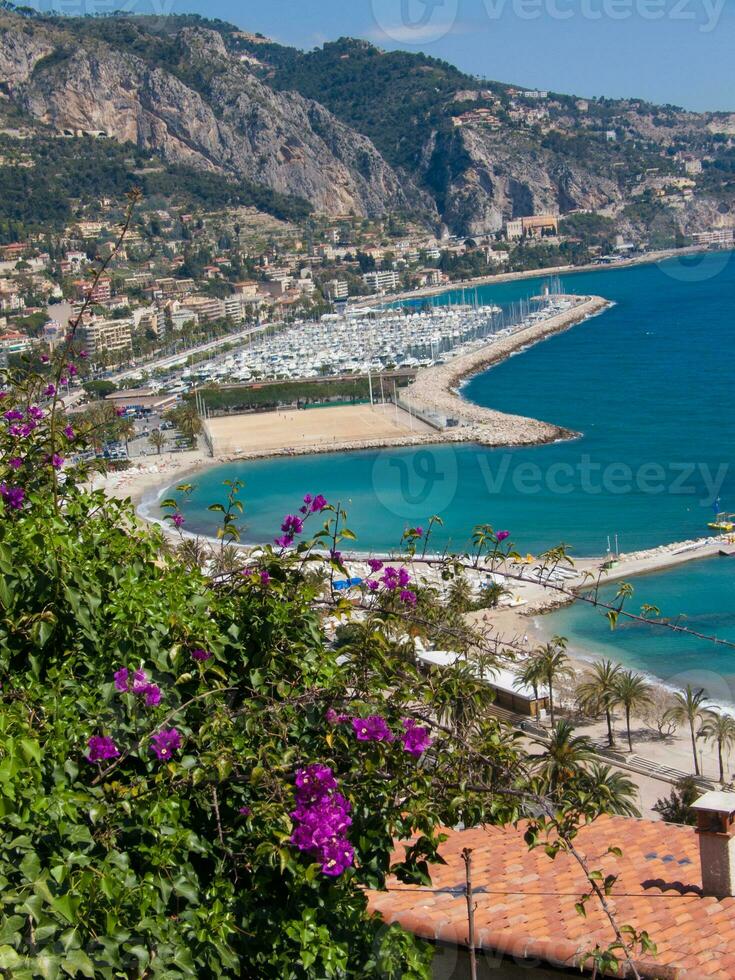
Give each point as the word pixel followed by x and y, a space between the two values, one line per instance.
pixel 109 335
pixel 673 881
pixel 508 693
pixel 533 226
pixel 99 292
pixel 338 289
pixel 142 399
pixel 178 316
pixel 378 282
pixel 716 236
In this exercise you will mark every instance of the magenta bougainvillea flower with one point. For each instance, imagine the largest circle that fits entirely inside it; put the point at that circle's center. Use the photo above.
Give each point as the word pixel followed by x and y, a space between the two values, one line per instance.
pixel 140 685
pixel 415 738
pixel 201 655
pixel 13 496
pixel 372 729
pixel 165 743
pixel 101 747
pixel 321 819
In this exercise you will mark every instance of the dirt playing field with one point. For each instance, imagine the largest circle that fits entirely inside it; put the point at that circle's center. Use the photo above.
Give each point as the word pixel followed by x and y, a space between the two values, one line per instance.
pixel 282 431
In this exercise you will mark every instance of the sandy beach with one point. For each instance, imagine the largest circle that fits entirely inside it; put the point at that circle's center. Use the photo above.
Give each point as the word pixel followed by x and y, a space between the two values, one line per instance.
pixel 314 430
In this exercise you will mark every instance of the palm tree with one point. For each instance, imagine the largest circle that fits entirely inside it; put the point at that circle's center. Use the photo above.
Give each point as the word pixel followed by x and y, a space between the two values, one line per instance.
pixel 720 729
pixel 688 708
pixel 158 440
pixel 599 693
pixel 186 419
pixel 633 692
pixel 554 665
pixel 612 790
pixel 564 755
pixel 125 431
pixel 530 674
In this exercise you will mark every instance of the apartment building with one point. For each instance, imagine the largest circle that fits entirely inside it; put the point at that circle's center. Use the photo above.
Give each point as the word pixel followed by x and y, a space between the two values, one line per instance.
pixel 100 292
pixel 380 281
pixel 110 335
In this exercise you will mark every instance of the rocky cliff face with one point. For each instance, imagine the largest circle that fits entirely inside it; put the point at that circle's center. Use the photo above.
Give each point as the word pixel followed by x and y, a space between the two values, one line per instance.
pixel 499 175
pixel 221 100
pixel 241 127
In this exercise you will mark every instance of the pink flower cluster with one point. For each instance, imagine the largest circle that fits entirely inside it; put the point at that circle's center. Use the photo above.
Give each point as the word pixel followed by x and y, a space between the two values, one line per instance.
pixel 165 743
pixel 393 580
pixel 139 684
pixel 14 416
pixel 321 820
pixel 313 505
pixel 201 656
pixel 101 747
pixel 13 496
pixel 293 525
pixel 414 738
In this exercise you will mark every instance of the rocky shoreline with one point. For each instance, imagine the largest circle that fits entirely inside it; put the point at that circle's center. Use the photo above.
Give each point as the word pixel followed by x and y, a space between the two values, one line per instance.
pixel 435 388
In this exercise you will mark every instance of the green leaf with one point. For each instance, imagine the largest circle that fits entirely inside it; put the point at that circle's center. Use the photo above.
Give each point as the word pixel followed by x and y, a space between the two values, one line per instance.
pixel 185 889
pixel 66 906
pixel 31 866
pixel 77 961
pixel 9 959
pixel 31 750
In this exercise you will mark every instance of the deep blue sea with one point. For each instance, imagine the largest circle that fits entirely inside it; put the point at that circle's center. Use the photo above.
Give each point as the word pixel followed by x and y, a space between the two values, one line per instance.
pixel 648 384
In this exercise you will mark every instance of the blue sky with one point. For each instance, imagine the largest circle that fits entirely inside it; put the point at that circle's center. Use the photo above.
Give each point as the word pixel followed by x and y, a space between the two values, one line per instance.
pixel 678 51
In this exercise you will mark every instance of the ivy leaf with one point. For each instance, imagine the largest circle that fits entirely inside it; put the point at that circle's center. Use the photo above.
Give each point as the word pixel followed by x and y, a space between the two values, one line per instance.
pixel 77 961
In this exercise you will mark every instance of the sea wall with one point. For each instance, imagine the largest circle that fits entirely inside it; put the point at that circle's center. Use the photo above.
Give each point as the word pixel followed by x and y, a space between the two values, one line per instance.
pixel 434 390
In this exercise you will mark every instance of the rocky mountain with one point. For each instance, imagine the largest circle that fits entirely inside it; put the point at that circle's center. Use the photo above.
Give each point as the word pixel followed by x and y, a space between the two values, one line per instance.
pixel 350 128
pixel 241 127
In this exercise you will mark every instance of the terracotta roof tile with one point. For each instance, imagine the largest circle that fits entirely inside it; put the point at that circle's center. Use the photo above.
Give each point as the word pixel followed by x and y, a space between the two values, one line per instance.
pixel 525 901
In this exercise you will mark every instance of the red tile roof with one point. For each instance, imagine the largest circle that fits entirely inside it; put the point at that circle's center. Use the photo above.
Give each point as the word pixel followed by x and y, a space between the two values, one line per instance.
pixel 525 901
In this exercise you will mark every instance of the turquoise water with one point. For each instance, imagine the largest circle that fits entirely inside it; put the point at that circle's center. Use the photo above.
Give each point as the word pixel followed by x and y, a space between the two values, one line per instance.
pixel 649 386
pixel 648 383
pixel 706 590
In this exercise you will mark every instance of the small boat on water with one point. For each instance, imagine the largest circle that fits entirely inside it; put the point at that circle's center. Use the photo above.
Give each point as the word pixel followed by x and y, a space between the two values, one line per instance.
pixel 722 524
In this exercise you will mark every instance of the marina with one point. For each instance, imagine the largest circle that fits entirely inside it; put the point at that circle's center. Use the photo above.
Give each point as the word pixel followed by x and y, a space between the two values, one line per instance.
pixel 365 341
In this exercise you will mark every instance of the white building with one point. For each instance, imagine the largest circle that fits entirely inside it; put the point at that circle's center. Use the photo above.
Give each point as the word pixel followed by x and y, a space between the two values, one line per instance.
pixel 338 289
pixel 380 281
pixel 110 335
pixel 716 236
